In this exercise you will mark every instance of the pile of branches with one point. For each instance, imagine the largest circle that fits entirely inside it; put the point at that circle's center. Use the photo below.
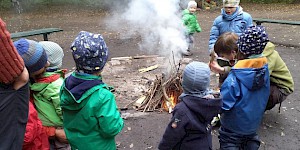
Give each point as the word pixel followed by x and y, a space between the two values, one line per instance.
pixel 159 89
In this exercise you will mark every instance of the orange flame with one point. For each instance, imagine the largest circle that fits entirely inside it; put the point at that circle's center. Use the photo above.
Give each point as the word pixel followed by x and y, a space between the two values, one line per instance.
pixel 169 105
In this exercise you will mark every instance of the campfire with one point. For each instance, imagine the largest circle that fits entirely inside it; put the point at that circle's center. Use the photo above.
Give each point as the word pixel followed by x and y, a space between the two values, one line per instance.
pixel 162 94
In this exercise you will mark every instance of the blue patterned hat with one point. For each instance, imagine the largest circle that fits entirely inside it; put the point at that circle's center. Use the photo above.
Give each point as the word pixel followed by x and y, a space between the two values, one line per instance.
pixel 253 41
pixel 90 52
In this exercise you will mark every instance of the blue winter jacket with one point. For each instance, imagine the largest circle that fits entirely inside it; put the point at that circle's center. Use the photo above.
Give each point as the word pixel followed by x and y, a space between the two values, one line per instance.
pixel 245 94
pixel 237 22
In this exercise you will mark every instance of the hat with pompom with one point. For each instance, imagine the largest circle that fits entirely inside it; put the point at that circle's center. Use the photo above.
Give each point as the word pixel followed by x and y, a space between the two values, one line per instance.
pixel 252 41
pixel 33 54
pixel 231 3
pixel 11 63
pixel 54 52
pixel 90 52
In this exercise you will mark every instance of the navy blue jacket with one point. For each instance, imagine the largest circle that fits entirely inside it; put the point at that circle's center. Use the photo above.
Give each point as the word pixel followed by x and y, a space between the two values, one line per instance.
pixel 189 128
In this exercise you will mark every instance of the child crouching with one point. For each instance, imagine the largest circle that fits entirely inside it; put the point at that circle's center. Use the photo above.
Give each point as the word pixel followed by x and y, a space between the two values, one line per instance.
pixel 245 93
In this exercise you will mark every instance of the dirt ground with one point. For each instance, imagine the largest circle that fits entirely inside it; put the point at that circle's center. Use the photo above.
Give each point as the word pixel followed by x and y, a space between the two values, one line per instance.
pixel 144 130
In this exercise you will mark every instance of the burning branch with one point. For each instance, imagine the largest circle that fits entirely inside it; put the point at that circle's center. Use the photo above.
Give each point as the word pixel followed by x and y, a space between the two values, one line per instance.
pixel 162 93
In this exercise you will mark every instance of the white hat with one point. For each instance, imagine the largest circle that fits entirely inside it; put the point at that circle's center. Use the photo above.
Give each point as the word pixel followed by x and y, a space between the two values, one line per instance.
pixel 55 54
pixel 191 3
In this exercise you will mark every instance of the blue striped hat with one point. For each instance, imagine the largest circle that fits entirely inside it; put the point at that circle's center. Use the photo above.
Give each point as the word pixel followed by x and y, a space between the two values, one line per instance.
pixel 33 54
pixel 90 52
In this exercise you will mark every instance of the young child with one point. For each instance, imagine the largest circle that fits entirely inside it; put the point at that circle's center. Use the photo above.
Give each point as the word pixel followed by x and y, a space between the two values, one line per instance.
pixel 14 93
pixel 190 126
pixel 91 117
pixel 55 55
pixel 35 59
pixel 282 83
pixel 45 90
pixel 245 92
pixel 226 49
pixel 191 25
pixel 232 19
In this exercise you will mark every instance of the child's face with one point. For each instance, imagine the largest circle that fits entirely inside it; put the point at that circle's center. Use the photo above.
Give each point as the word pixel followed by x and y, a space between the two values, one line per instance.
pixel 192 9
pixel 229 10
pixel 40 72
pixel 230 56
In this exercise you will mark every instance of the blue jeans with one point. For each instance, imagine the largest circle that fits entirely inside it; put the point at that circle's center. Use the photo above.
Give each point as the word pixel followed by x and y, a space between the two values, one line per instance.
pixel 232 141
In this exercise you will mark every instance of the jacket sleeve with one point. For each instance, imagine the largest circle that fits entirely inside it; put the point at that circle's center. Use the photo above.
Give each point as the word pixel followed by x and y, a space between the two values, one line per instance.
pixel 55 98
pixel 249 20
pixel 185 19
pixel 31 126
pixel 198 28
pixel 230 92
pixel 109 117
pixel 214 34
pixel 173 135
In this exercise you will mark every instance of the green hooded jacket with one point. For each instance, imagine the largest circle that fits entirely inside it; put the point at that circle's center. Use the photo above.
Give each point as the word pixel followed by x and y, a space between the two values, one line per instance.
pixel 91 119
pixel 190 21
pixel 279 72
pixel 45 92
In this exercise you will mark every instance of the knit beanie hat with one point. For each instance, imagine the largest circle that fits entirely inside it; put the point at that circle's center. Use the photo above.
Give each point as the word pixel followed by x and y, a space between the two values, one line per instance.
pixel 191 3
pixel 90 52
pixel 11 63
pixel 196 79
pixel 33 54
pixel 253 41
pixel 54 52
pixel 231 3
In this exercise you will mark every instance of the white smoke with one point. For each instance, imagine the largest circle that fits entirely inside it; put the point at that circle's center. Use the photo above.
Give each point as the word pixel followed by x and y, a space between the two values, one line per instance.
pixel 159 25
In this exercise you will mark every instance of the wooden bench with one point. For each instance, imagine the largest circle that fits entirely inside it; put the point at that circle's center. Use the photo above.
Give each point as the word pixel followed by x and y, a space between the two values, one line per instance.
pixel 259 21
pixel 44 32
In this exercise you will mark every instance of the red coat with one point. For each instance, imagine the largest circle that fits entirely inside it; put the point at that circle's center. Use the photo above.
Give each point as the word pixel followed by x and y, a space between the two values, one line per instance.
pixel 35 137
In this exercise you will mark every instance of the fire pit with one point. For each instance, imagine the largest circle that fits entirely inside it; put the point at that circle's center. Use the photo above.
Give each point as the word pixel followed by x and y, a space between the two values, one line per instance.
pixel 146 83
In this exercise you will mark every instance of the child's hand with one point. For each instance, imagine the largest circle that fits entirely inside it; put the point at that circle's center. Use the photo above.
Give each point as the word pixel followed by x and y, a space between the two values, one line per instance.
pixel 61 135
pixel 215 67
pixel 21 80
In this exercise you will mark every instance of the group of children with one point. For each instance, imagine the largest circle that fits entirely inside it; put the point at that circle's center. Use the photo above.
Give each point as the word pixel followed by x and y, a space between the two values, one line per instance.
pixel 44 110
pixel 253 78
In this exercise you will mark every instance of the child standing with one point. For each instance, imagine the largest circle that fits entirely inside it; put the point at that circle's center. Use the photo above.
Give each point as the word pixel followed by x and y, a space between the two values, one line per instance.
pixel 35 59
pixel 245 93
pixel 45 90
pixel 14 93
pixel 91 117
pixel 282 83
pixel 191 25
pixel 190 126
pixel 232 19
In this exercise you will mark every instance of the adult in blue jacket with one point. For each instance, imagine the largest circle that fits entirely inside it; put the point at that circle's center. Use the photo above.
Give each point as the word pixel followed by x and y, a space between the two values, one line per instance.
pixel 232 19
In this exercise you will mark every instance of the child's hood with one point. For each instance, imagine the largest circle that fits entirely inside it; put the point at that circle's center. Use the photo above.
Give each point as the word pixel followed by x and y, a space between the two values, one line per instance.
pixel 254 74
pixel 75 91
pixel 269 49
pixel 207 108
pixel 186 11
pixel 49 77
